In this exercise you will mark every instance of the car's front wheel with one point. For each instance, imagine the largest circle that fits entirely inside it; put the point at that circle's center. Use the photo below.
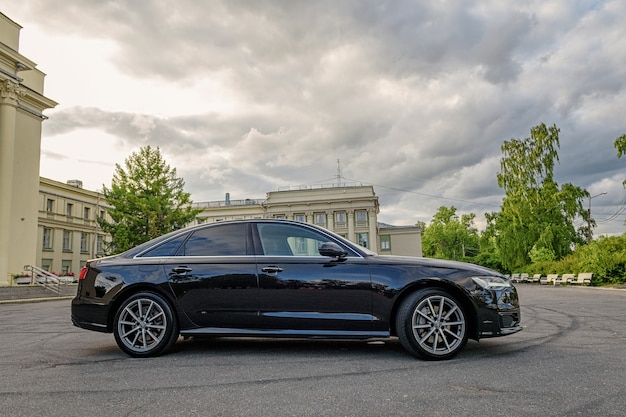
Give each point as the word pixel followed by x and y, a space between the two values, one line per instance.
pixel 431 324
pixel 145 325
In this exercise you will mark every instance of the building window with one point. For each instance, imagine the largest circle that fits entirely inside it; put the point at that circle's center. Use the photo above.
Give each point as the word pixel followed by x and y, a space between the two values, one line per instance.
pixel 84 242
pixel 99 244
pixel 102 214
pixel 67 240
pixel 299 217
pixel 363 239
pixel 66 267
pixel 385 242
pixel 46 264
pixel 340 219
pixel 86 213
pixel 69 209
pixel 50 205
pixel 47 238
pixel 280 216
pixel 320 219
pixel 361 217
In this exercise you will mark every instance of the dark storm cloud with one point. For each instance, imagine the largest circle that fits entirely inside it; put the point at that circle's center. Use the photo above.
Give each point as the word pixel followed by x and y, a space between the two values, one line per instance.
pixel 413 96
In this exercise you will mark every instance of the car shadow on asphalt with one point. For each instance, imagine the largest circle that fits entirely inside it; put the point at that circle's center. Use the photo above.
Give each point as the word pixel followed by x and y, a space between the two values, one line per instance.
pixel 260 346
pixel 323 348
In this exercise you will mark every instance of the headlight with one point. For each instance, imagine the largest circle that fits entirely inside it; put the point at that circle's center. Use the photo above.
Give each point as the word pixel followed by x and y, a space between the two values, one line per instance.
pixel 492 283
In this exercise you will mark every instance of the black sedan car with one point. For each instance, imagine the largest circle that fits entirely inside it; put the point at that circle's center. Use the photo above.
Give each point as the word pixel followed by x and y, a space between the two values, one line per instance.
pixel 279 278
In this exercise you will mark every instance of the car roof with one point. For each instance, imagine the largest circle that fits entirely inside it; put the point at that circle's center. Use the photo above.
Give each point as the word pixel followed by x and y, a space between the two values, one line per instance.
pixel 143 247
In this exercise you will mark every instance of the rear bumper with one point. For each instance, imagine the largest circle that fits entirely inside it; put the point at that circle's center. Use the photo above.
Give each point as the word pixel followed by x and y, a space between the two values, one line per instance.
pixel 89 315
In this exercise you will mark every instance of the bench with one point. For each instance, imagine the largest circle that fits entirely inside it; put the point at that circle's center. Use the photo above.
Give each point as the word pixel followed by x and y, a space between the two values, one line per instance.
pixel 549 279
pixel 565 279
pixel 584 278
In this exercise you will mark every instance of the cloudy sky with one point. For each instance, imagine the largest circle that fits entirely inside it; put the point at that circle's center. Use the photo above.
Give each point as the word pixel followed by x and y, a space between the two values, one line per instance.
pixel 414 97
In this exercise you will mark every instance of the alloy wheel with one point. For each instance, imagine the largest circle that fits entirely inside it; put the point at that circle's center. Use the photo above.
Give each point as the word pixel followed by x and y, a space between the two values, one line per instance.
pixel 438 325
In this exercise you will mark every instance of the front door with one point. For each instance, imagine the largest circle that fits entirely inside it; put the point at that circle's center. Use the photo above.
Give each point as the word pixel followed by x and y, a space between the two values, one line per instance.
pixel 304 293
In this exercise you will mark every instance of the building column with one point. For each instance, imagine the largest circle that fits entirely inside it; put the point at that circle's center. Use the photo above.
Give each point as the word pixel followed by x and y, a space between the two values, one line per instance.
pixel 9 92
pixel 330 220
pixel 373 226
pixel 350 220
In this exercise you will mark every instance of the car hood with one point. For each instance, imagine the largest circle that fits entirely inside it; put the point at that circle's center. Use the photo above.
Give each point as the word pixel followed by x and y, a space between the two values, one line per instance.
pixel 433 263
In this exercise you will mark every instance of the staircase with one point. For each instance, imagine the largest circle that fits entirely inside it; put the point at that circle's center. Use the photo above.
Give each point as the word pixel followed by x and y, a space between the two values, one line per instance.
pixel 42 278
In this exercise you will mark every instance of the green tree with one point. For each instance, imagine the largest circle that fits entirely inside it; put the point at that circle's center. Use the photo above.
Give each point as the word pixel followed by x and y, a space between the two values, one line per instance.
pixel 450 237
pixel 620 145
pixel 537 215
pixel 488 254
pixel 146 199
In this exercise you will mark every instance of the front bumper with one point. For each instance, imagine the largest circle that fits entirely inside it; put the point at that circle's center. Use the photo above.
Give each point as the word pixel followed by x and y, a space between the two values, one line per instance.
pixel 499 312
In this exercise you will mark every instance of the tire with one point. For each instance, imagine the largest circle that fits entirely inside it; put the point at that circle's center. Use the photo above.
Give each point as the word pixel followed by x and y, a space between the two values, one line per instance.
pixel 432 325
pixel 145 326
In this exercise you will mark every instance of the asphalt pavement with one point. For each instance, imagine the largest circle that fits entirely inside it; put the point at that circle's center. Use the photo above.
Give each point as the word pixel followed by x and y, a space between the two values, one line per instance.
pixel 570 359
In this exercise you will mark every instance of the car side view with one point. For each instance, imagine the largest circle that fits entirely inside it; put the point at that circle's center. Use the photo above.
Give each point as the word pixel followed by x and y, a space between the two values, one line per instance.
pixel 281 278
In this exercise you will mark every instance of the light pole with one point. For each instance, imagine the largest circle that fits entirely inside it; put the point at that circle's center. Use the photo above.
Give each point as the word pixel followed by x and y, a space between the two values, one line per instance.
pixel 589 216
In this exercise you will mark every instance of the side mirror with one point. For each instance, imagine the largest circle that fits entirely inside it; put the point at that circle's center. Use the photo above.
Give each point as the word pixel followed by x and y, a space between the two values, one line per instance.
pixel 332 249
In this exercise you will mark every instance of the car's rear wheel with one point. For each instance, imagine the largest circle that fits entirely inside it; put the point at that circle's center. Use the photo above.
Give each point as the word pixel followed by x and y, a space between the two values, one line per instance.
pixel 431 324
pixel 145 325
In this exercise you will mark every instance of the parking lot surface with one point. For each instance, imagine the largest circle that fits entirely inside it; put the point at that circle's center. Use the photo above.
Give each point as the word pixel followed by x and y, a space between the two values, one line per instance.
pixel 570 359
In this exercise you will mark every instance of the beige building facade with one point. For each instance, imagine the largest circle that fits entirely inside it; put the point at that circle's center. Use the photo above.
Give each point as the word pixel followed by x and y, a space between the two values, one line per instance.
pixel 68 233
pixel 348 210
pixel 22 102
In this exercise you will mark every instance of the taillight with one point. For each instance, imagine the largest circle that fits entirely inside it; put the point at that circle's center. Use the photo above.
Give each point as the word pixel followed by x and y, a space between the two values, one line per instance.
pixel 83 273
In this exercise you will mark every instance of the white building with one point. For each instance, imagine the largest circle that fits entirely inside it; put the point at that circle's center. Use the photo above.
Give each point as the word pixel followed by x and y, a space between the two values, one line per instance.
pixel 348 210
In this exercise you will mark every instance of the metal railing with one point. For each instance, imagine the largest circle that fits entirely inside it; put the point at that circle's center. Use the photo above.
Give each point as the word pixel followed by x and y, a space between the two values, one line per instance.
pixel 43 278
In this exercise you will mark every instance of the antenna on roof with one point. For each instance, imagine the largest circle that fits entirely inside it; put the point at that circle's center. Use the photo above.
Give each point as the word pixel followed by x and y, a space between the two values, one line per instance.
pixel 339 176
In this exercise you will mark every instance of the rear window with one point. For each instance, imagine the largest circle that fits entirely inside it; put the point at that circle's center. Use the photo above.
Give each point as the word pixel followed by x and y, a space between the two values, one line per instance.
pixel 221 240
pixel 168 248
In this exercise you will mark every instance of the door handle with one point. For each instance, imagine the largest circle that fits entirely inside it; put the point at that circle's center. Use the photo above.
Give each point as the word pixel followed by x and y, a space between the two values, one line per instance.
pixel 272 269
pixel 181 270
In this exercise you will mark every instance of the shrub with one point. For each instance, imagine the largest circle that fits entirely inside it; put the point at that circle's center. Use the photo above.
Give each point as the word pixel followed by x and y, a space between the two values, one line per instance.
pixel 604 257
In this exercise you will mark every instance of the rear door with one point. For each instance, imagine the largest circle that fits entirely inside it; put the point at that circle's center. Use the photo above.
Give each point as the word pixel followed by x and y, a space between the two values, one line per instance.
pixel 214 277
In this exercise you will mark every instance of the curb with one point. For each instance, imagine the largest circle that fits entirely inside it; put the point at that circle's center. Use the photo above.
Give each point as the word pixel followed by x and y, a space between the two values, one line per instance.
pixel 35 300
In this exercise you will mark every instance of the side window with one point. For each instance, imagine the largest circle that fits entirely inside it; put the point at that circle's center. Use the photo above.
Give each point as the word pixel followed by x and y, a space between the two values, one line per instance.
pixel 168 248
pixel 289 240
pixel 220 240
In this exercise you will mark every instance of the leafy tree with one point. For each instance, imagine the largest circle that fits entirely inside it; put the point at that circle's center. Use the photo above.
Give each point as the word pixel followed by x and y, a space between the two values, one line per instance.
pixel 620 145
pixel 146 199
pixel 450 237
pixel 488 254
pixel 537 215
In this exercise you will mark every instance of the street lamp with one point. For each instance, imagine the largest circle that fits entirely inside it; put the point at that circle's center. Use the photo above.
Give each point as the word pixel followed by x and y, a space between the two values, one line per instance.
pixel 589 216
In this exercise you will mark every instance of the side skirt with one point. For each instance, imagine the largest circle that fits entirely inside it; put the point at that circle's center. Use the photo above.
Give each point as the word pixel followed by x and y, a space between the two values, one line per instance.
pixel 307 334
